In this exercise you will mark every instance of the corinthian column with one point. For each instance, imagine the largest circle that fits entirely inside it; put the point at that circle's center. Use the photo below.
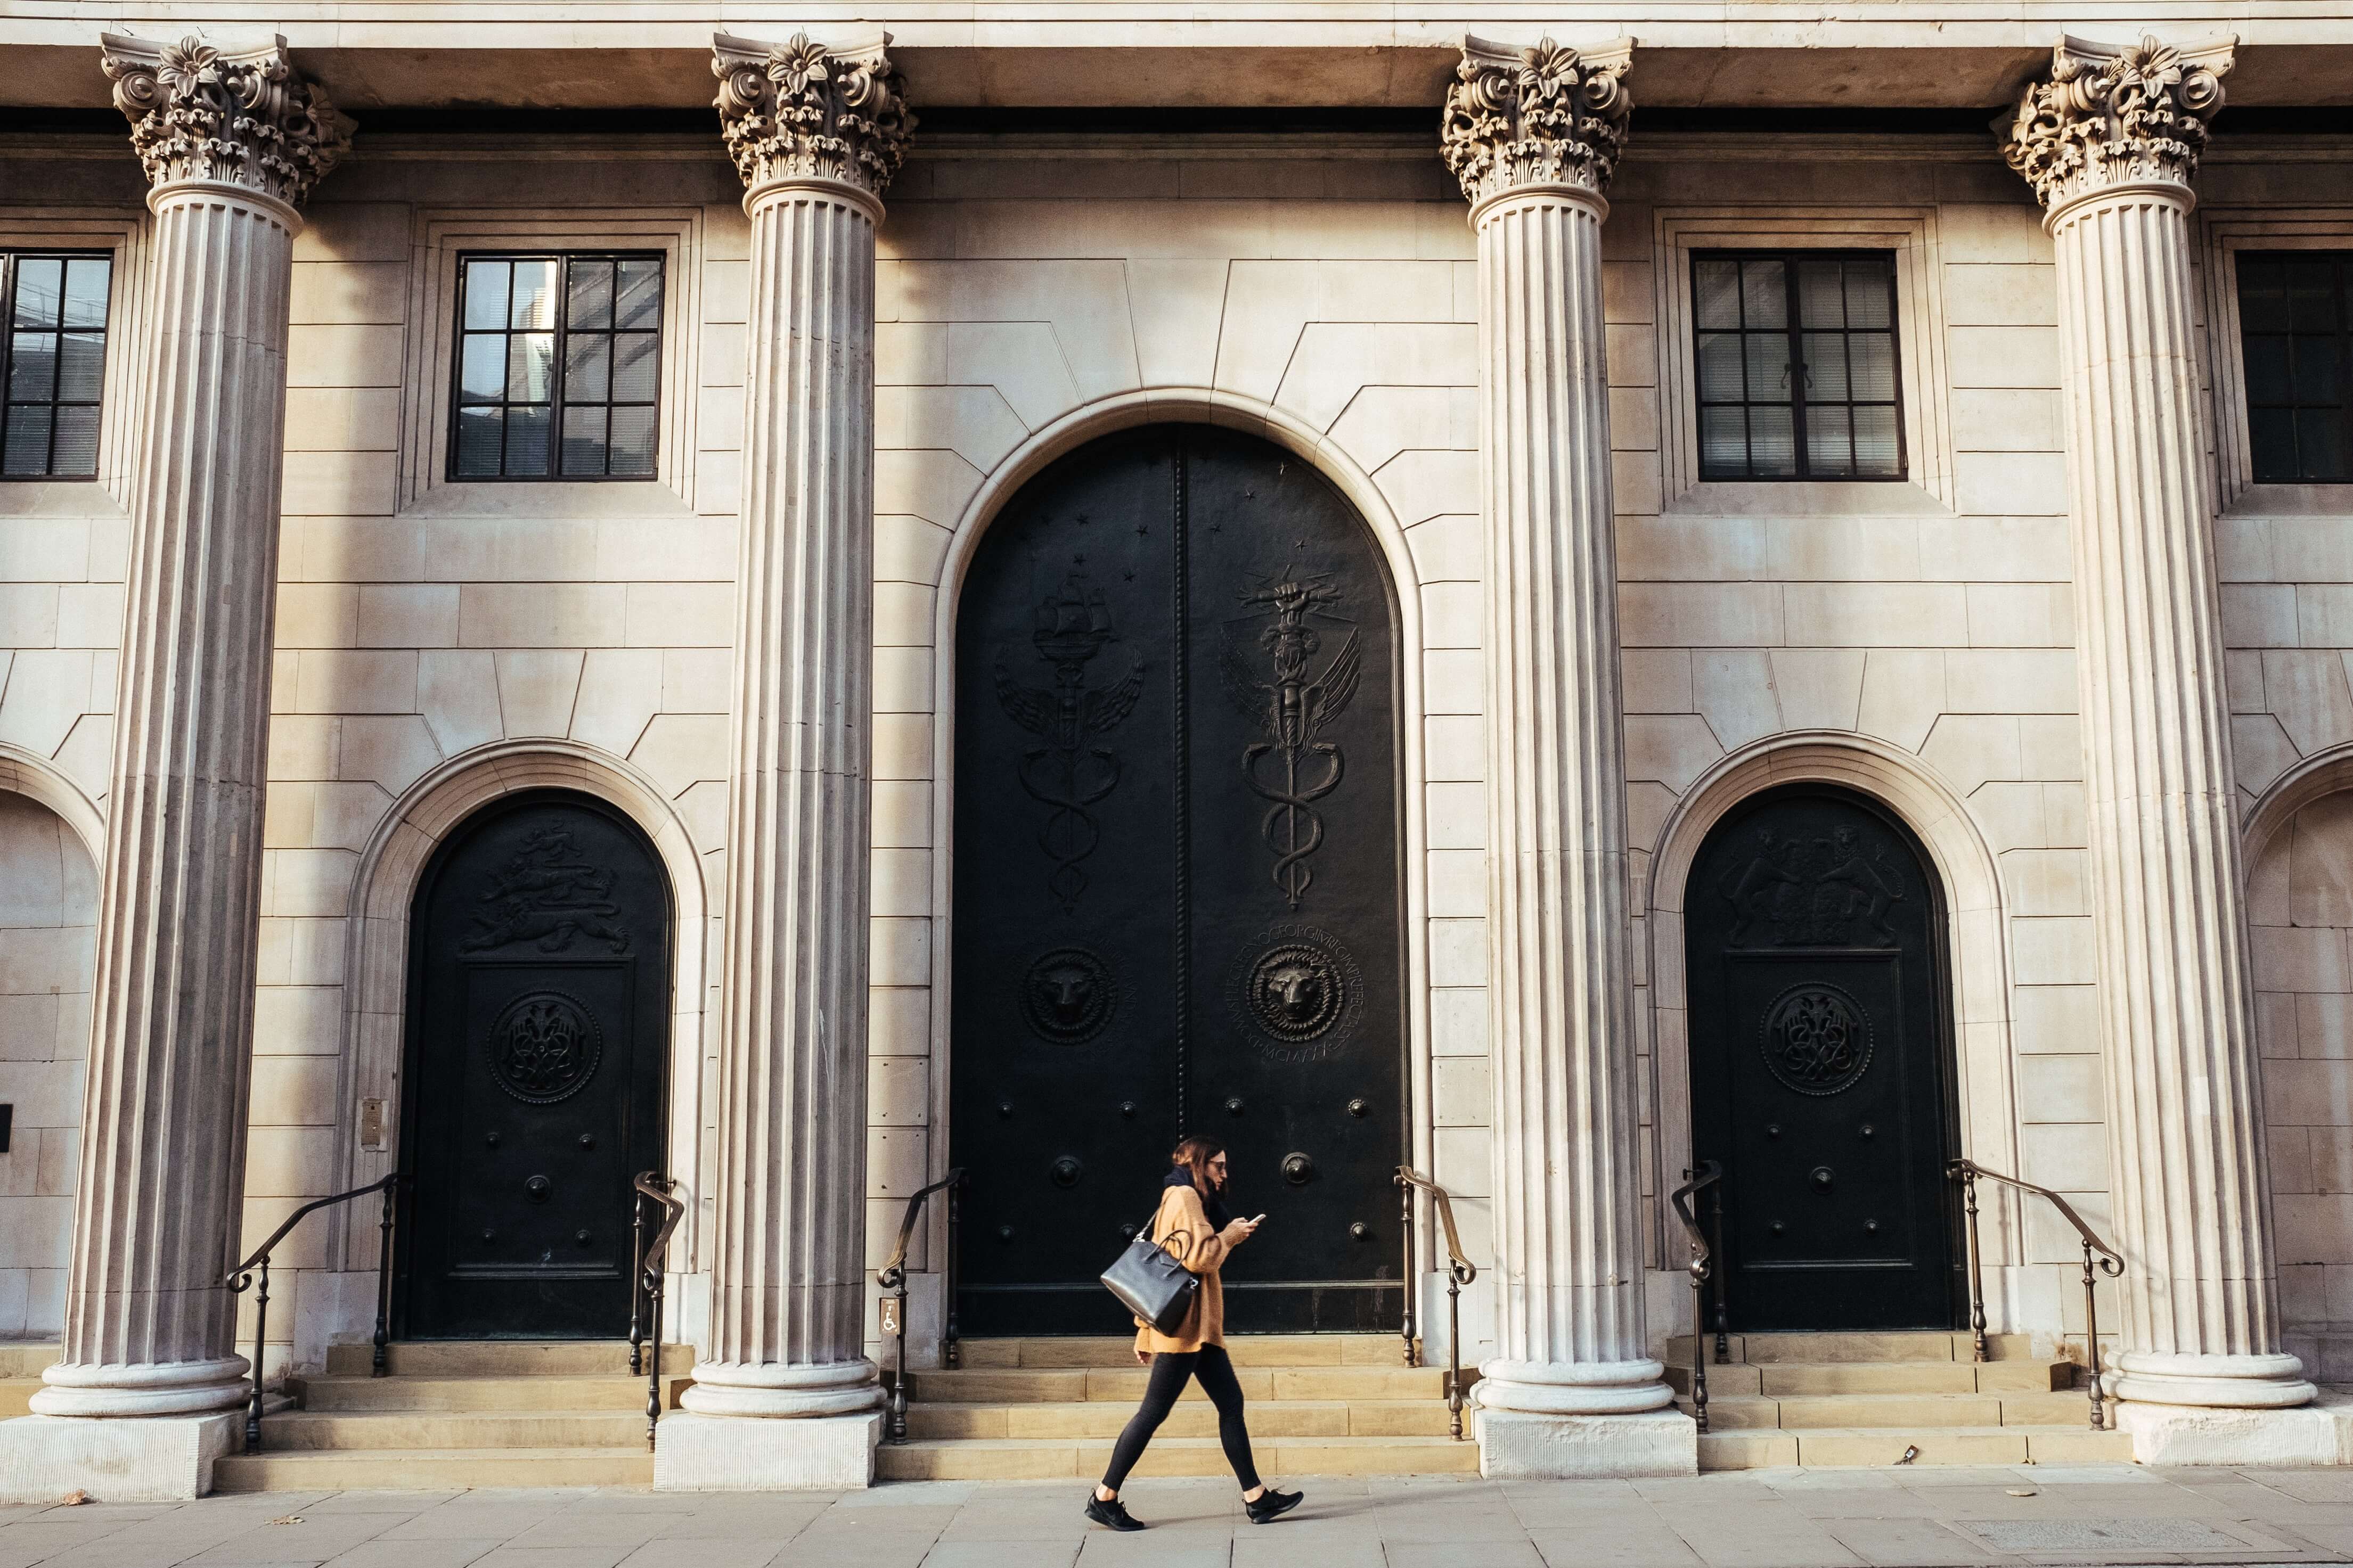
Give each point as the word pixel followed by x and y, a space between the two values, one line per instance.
pixel 817 132
pixel 2109 144
pixel 1534 135
pixel 232 141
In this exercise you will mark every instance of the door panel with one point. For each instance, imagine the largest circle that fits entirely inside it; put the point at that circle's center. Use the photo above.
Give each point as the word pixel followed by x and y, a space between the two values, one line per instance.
pixel 538 991
pixel 1820 1065
pixel 1177 875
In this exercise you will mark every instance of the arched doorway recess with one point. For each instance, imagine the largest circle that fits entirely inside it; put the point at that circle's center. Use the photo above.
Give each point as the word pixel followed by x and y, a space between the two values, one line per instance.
pixel 1177 898
pixel 539 998
pixel 1822 1064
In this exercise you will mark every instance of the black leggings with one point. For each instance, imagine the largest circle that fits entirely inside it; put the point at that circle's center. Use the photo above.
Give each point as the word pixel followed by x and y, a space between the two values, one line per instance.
pixel 1169 1370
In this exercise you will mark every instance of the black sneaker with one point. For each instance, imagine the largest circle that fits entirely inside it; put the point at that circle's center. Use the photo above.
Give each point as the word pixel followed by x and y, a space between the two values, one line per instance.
pixel 1112 1515
pixel 1273 1505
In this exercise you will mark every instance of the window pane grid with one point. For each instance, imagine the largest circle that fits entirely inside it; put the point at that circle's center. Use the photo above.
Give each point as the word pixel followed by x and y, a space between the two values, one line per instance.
pixel 52 363
pixel 558 367
pixel 2296 347
pixel 1795 366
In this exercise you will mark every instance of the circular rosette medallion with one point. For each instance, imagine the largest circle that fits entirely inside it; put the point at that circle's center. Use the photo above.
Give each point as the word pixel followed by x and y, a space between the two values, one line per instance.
pixel 544 1047
pixel 1296 993
pixel 1069 995
pixel 1816 1039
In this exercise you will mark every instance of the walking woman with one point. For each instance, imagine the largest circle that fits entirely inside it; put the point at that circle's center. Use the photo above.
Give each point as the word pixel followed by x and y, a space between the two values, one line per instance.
pixel 1196 1229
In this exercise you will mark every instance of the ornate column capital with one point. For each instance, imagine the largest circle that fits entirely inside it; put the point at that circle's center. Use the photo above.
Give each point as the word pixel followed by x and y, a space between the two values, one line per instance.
pixel 241 116
pixel 2111 114
pixel 806 110
pixel 1549 115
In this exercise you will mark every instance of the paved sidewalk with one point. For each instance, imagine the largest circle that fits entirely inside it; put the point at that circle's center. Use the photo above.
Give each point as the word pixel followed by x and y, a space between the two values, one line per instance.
pixel 1756 1519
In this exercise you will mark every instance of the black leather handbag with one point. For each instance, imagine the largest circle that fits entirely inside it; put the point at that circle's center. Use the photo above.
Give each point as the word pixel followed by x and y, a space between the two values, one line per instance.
pixel 1153 1285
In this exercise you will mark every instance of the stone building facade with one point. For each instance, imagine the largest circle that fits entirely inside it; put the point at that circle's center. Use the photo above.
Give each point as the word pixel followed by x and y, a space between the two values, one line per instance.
pixel 2028 610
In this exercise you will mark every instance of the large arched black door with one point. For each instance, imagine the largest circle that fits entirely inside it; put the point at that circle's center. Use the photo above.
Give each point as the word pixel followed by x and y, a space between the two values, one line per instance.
pixel 538 1004
pixel 1821 1063
pixel 1176 882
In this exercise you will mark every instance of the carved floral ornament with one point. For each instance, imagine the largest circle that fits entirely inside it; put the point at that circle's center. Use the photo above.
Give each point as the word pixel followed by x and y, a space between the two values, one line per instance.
pixel 2114 115
pixel 1548 115
pixel 235 116
pixel 804 110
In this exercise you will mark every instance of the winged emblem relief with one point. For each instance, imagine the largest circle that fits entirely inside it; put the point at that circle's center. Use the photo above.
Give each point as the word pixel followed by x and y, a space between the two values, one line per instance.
pixel 1067 772
pixel 1292 703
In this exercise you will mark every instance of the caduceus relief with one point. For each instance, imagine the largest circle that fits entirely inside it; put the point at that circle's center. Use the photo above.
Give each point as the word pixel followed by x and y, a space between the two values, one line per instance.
pixel 1292 709
pixel 1066 774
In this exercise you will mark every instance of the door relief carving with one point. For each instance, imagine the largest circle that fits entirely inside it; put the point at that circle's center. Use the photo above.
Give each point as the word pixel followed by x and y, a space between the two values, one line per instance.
pixel 1814 891
pixel 1817 1039
pixel 544 1047
pixel 1069 995
pixel 1295 993
pixel 1294 710
pixel 548 894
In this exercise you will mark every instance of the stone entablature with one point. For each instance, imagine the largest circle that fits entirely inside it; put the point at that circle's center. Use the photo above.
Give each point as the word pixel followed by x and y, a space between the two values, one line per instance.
pixel 1549 115
pixel 2116 114
pixel 805 110
pixel 238 116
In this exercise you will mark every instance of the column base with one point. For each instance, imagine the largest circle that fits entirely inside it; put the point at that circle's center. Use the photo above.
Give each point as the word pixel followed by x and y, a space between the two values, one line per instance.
pixel 155 1459
pixel 143 1388
pixel 1514 1444
pixel 1574 1387
pixel 2224 1382
pixel 730 1454
pixel 783 1390
pixel 2320 1433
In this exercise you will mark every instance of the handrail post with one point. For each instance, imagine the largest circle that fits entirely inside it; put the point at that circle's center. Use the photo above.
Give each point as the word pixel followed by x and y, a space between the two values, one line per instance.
pixel 899 1380
pixel 379 1357
pixel 950 1344
pixel 637 1282
pixel 1412 1279
pixel 654 1368
pixel 2092 1341
pixel 1715 1250
pixel 1454 1352
pixel 260 1339
pixel 1968 1174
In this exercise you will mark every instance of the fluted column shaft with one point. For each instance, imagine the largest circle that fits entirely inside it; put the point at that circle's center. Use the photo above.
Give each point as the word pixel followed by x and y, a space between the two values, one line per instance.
pixel 2187 1174
pixel 1569 1253
pixel 788 1265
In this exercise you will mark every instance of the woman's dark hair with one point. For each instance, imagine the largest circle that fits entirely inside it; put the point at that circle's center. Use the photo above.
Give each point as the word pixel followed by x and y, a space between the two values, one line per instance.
pixel 1193 1155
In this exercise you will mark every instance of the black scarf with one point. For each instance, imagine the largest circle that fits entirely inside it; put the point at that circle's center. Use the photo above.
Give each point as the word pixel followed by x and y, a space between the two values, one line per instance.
pixel 1212 1203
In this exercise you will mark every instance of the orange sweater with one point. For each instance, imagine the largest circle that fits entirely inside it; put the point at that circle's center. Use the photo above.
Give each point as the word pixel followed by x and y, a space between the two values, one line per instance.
pixel 1183 1230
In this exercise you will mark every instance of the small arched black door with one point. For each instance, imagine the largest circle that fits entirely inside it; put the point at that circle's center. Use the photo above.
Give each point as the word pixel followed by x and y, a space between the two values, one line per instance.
pixel 1821 1064
pixel 538 1006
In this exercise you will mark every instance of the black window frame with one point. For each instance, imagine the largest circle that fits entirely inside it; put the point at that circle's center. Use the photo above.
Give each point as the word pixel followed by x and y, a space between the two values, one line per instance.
pixel 560 331
pixel 1794 330
pixel 11 269
pixel 2340 261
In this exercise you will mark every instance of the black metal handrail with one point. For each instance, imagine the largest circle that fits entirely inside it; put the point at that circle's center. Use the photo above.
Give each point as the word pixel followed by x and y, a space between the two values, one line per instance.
pixel 1459 1271
pixel 255 1272
pixel 2107 1261
pixel 892 1277
pixel 646 1281
pixel 1704 1245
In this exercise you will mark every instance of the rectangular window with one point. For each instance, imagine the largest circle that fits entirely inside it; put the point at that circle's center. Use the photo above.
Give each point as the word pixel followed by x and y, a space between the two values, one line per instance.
pixel 558 361
pixel 1795 354
pixel 2295 330
pixel 53 364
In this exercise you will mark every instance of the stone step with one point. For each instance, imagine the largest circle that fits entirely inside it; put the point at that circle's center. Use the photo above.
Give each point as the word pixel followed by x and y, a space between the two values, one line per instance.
pixel 306 1431
pixel 547 1392
pixel 1927 1344
pixel 1101 1419
pixel 1247 1350
pixel 22 1358
pixel 1284 1457
pixel 1831 1446
pixel 502 1358
pixel 432 1469
pixel 1125 1386
pixel 1752 1413
pixel 1780 1378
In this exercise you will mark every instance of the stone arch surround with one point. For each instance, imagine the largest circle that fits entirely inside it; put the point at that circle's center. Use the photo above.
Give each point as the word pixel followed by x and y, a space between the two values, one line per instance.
pixel 376 999
pixel 1977 954
pixel 1076 429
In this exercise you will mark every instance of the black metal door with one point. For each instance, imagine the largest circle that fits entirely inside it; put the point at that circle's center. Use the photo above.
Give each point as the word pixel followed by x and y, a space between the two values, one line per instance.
pixel 539 994
pixel 1176 882
pixel 1821 1064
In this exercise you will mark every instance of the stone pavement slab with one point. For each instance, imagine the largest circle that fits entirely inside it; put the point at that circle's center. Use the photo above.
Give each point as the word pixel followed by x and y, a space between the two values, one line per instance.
pixel 1954 1517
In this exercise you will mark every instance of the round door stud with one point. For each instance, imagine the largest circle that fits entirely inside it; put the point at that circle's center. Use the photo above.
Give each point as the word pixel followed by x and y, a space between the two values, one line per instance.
pixel 1004 1110
pixel 1066 1170
pixel 1772 1130
pixel 1871 1227
pixel 1298 1170
pixel 1778 1227
pixel 1234 1105
pixel 538 1189
pixel 489 1232
pixel 581 1237
pixel 491 1139
pixel 1869 1130
pixel 587 1140
pixel 1360 1230
pixel 1360 1108
pixel 1127 1233
pixel 1127 1109
pixel 1821 1178
pixel 1005 1232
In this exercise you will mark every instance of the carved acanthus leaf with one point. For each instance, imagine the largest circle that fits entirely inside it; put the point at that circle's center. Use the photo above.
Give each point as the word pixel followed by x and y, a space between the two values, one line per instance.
pixel 1548 115
pixel 237 116
pixel 804 110
pixel 2112 115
